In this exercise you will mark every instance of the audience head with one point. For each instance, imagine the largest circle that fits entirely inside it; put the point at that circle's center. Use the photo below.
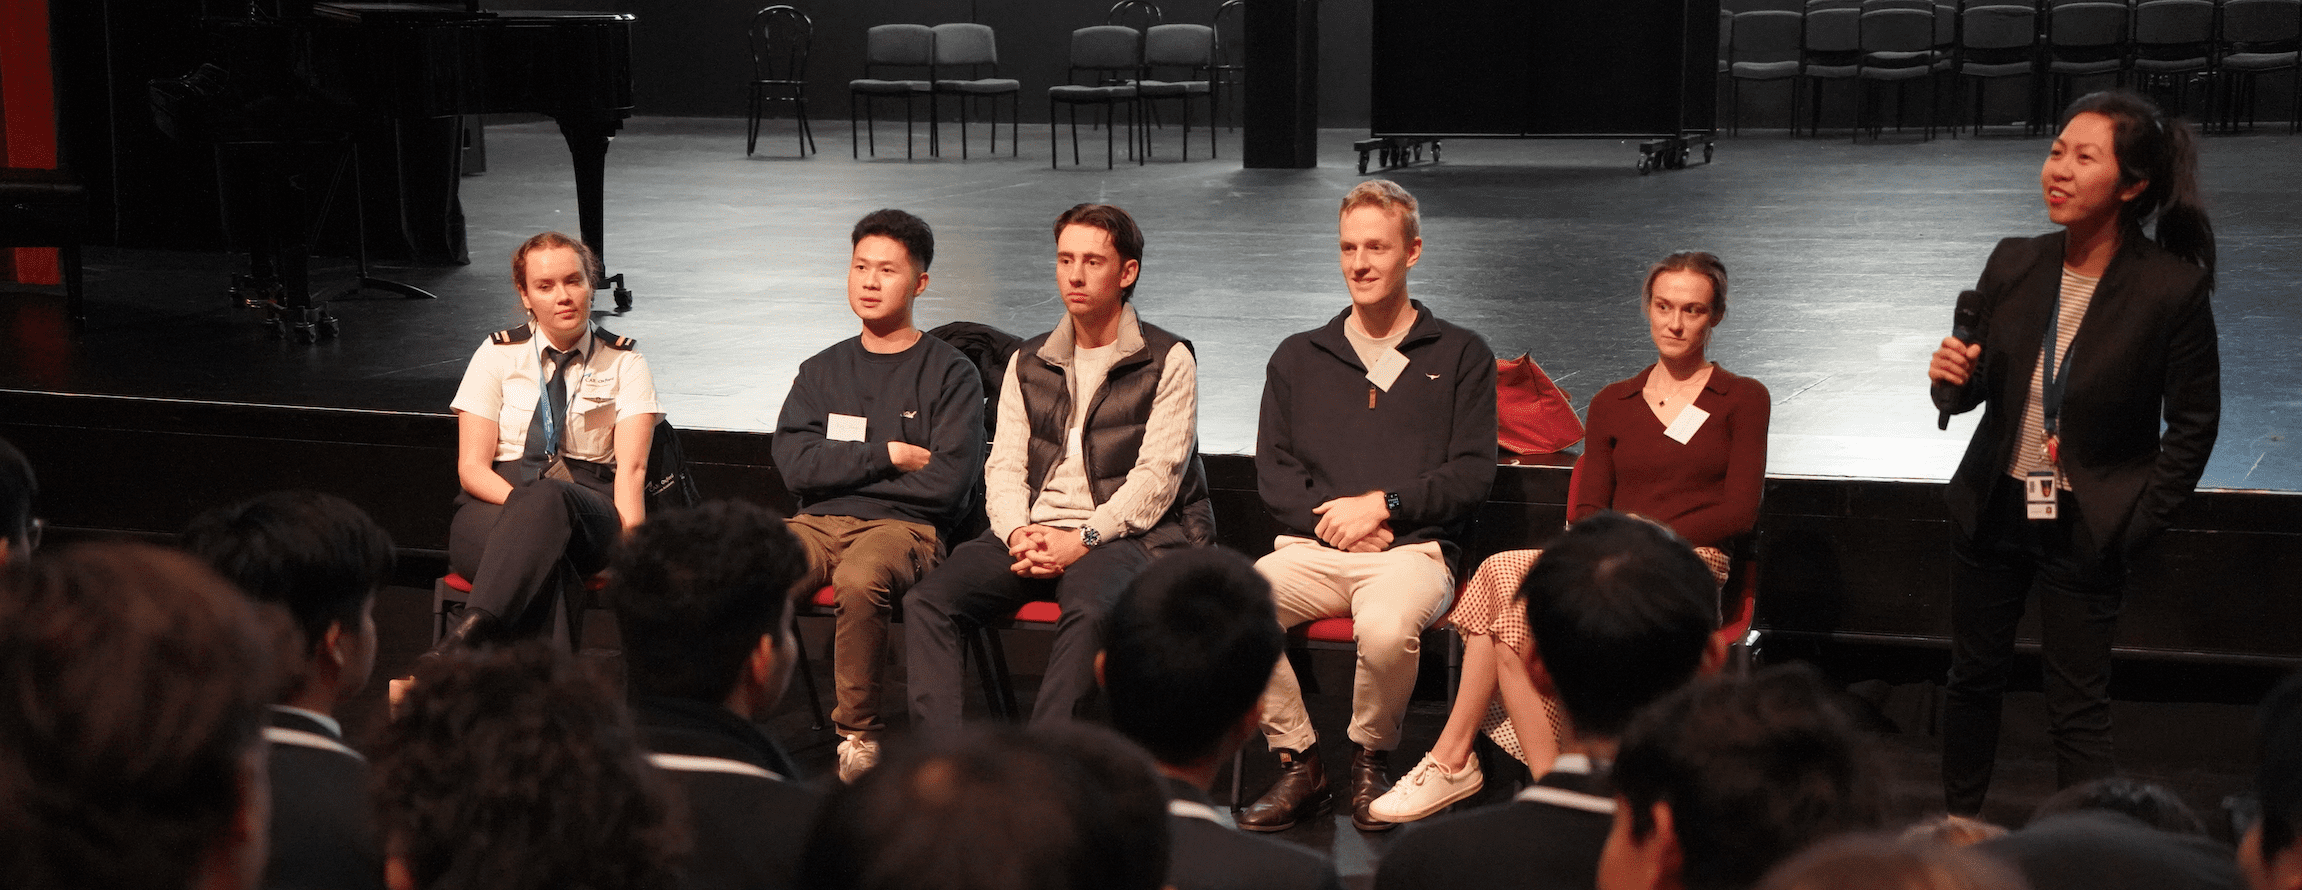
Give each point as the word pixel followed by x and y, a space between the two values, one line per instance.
pixel 1380 232
pixel 130 754
pixel 2268 854
pixel 1622 613
pixel 1071 807
pixel 703 598
pixel 1101 245
pixel 1954 830
pixel 17 486
pixel 2156 805
pixel 2158 154
pixel 1186 653
pixel 515 768
pixel 320 559
pixel 1882 862
pixel 1728 776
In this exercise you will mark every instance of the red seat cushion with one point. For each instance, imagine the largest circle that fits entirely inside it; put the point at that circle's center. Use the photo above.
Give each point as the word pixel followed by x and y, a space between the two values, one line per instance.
pixel 461 584
pixel 1328 630
pixel 825 597
pixel 1042 612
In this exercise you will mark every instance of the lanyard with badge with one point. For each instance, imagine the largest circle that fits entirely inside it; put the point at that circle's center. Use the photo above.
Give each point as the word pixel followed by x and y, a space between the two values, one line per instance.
pixel 2041 488
pixel 555 466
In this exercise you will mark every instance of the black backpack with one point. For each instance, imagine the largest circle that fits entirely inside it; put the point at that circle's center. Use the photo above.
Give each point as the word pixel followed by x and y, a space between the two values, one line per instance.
pixel 669 485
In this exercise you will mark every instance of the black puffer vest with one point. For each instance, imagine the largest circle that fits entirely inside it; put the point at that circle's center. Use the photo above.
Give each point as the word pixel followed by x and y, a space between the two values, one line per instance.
pixel 1116 423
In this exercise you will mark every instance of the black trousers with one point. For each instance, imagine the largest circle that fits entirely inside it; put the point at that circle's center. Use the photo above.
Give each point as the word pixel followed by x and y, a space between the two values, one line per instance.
pixel 543 539
pixel 2079 585
pixel 974 584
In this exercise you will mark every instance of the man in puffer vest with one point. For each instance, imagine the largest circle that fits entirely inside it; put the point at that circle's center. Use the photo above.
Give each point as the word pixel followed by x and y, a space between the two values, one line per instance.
pixel 1094 470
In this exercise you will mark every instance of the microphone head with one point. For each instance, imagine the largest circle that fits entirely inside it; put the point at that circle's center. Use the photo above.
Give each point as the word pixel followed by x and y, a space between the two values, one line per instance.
pixel 1966 320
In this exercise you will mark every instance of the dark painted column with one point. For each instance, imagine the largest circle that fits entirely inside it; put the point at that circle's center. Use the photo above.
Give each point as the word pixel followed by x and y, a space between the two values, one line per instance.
pixel 1282 112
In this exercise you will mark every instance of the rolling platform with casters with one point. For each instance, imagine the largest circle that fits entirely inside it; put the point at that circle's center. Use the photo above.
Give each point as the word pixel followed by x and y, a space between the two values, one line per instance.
pixel 1507 69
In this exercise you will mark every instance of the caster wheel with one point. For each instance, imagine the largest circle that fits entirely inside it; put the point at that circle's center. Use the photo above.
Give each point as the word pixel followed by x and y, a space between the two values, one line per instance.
pixel 1362 163
pixel 328 327
pixel 1646 164
pixel 1434 152
pixel 1707 152
pixel 622 299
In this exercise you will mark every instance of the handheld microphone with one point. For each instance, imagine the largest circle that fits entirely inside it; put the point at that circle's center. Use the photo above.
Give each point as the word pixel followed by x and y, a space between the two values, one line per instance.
pixel 1965 327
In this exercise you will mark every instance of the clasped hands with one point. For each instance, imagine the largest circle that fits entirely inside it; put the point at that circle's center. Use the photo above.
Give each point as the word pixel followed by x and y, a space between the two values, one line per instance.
pixel 1358 524
pixel 1044 551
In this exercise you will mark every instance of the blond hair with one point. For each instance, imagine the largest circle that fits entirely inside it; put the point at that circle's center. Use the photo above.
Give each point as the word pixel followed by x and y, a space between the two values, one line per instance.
pixel 1389 197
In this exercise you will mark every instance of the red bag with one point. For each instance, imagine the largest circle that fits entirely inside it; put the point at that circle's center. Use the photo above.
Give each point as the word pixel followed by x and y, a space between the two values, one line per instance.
pixel 1532 414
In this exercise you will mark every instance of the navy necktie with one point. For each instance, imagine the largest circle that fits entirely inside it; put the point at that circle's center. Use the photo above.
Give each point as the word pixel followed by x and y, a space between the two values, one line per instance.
pixel 549 425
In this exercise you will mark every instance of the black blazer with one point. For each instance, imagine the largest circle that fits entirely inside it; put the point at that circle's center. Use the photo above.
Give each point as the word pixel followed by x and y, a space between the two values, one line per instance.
pixel 1213 856
pixel 2145 350
pixel 748 817
pixel 1551 841
pixel 323 833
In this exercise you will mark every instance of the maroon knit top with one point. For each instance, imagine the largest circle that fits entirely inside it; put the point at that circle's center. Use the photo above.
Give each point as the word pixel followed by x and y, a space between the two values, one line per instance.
pixel 1707 490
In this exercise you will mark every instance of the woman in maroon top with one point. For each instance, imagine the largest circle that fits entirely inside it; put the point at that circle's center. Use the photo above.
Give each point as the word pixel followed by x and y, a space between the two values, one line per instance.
pixel 1682 442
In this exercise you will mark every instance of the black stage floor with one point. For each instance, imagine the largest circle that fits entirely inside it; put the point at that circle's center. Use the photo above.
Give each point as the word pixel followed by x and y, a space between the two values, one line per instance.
pixel 1846 259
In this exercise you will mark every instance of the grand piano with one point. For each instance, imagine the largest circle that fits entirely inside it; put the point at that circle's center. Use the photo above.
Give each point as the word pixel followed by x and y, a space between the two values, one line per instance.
pixel 297 85
pixel 433 60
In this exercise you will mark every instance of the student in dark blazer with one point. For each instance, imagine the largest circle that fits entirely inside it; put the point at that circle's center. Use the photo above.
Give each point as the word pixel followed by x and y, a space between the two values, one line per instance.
pixel 1186 651
pixel 1622 613
pixel 2112 440
pixel 320 560
pixel 703 597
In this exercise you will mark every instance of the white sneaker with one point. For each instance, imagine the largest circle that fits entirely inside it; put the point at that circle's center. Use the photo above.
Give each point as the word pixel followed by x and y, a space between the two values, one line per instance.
pixel 856 757
pixel 1427 789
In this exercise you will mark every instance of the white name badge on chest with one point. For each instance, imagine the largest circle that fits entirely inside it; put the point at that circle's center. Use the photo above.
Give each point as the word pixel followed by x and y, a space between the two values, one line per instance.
pixel 2040 492
pixel 845 428
pixel 1386 369
pixel 1690 419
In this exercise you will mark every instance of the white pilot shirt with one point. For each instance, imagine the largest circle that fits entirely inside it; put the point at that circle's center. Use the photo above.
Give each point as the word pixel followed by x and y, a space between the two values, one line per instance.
pixel 605 385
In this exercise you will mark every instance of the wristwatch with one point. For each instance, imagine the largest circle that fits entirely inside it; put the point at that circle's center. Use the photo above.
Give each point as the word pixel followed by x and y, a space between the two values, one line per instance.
pixel 1089 537
pixel 1391 502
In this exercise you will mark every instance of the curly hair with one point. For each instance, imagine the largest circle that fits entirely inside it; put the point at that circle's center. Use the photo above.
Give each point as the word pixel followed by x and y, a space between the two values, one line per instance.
pixel 516 768
pixel 136 682
pixel 693 591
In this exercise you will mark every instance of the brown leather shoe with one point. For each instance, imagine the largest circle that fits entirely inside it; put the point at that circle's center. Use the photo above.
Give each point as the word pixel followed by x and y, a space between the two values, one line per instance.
pixel 1370 777
pixel 1300 792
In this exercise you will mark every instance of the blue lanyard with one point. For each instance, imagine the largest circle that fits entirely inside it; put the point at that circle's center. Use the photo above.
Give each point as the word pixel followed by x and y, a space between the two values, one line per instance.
pixel 2057 376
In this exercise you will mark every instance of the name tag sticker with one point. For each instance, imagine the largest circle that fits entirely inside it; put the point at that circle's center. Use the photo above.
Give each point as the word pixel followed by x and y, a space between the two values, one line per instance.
pixel 1690 419
pixel 844 428
pixel 1386 369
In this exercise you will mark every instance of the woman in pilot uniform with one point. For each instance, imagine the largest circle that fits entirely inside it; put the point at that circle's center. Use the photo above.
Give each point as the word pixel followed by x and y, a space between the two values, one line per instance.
pixel 553 419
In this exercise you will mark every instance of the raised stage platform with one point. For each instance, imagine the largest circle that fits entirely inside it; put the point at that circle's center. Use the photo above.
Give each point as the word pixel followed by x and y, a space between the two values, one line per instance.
pixel 1845 259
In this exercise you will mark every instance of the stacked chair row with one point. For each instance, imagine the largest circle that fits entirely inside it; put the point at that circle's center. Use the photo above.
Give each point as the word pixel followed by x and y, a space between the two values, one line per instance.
pixel 2175 48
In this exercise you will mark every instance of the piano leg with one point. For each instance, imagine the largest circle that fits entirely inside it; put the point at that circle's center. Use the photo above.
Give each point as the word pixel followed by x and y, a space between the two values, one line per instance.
pixel 587 144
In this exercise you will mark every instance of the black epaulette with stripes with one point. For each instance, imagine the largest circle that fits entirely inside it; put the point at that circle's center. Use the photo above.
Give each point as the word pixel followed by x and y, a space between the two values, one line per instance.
pixel 509 336
pixel 613 341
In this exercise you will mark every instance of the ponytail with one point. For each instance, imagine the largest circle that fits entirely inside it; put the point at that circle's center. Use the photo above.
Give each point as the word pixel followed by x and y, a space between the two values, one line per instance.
pixel 2164 151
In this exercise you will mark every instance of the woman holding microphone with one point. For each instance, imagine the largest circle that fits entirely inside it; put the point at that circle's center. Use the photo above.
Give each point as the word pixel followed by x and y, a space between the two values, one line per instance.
pixel 2088 338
